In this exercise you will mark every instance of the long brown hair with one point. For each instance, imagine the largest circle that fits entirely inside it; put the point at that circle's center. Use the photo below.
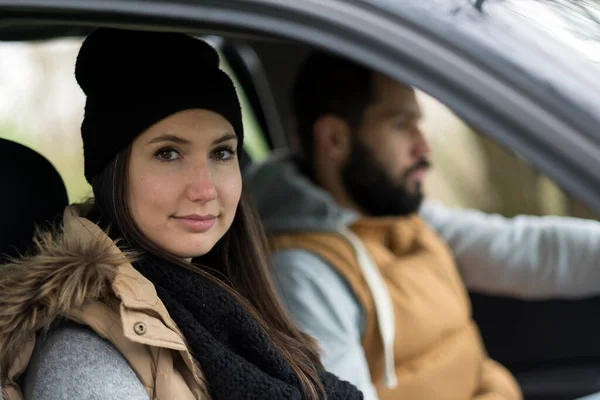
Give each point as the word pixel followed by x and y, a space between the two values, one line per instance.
pixel 239 264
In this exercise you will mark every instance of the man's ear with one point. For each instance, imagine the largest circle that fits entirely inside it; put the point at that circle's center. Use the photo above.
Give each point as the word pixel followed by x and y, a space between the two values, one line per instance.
pixel 332 137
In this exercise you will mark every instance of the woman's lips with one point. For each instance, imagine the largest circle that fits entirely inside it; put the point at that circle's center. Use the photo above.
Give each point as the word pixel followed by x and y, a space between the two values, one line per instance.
pixel 197 223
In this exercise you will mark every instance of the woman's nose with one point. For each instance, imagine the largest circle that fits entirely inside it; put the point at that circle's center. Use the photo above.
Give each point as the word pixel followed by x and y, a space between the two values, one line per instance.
pixel 201 187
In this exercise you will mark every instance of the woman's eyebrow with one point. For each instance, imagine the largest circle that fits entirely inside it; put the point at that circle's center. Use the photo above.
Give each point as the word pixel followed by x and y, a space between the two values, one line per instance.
pixel 224 138
pixel 169 138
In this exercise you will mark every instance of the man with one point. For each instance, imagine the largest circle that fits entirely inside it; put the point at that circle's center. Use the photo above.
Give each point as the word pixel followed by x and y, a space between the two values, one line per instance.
pixel 375 276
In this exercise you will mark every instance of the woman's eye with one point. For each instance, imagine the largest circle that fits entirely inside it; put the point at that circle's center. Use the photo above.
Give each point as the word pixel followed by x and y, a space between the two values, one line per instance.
pixel 223 154
pixel 167 154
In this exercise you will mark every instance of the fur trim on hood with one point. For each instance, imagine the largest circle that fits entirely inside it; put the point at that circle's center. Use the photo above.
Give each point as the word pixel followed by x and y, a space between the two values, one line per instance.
pixel 68 269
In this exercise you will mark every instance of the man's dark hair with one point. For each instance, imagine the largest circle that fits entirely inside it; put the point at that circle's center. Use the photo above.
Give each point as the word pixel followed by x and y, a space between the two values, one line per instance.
pixel 327 84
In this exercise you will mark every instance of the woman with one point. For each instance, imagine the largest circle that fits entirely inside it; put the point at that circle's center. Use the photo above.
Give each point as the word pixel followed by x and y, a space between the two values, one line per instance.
pixel 159 288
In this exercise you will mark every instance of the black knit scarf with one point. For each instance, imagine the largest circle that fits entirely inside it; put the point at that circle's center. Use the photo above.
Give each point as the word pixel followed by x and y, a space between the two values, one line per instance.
pixel 239 361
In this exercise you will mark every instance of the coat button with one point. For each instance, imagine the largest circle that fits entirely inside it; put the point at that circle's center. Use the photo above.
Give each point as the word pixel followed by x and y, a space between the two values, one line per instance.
pixel 139 328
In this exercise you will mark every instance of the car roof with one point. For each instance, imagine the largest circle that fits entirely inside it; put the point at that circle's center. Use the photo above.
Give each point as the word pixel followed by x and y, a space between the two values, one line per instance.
pixel 554 42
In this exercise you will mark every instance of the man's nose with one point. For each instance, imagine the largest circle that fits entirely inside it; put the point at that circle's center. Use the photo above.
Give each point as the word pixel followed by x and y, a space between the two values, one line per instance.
pixel 421 146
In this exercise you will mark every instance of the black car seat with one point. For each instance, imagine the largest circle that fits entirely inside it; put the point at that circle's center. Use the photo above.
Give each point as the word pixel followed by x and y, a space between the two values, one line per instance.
pixel 551 346
pixel 32 194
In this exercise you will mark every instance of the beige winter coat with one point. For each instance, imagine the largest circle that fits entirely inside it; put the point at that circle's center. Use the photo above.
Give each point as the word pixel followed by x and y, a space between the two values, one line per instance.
pixel 81 274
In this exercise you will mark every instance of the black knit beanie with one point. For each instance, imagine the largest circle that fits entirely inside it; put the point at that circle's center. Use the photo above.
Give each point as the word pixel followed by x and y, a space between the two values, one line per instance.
pixel 133 79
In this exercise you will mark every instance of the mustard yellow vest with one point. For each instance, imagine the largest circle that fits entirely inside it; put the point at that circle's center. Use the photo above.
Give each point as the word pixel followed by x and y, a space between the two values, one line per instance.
pixel 438 351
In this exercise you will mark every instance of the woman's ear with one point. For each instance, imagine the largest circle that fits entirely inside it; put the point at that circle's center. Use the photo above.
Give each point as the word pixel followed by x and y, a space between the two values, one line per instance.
pixel 332 138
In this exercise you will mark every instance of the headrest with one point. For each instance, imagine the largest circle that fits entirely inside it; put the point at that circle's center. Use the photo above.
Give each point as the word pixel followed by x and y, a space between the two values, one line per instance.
pixel 33 194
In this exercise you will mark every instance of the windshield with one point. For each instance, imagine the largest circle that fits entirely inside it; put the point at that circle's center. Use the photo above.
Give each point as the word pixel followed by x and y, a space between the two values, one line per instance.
pixel 575 23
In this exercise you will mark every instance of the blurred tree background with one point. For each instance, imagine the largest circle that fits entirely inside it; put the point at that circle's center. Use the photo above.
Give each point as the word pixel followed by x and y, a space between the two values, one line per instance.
pixel 470 170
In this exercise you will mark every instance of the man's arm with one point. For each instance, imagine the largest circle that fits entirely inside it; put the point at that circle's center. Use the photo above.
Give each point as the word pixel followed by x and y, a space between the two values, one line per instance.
pixel 526 257
pixel 323 305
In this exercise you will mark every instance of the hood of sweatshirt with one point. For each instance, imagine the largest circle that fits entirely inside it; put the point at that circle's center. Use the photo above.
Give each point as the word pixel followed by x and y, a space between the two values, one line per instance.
pixel 288 201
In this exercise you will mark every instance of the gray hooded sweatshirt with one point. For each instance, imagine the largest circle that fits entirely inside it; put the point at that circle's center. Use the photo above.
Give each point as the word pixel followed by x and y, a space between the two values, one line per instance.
pixel 524 257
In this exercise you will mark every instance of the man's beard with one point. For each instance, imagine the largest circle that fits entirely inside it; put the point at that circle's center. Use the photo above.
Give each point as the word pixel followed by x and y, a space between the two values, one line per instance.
pixel 372 188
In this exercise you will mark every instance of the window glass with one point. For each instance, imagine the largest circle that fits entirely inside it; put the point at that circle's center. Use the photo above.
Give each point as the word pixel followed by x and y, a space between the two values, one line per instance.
pixel 42 105
pixel 576 23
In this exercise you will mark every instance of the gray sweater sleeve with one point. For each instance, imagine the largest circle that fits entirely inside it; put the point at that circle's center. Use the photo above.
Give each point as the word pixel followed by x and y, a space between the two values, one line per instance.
pixel 323 305
pixel 73 362
pixel 526 257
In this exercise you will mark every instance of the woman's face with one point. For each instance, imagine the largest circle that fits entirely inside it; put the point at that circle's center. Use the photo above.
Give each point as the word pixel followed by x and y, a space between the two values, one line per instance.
pixel 185 182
